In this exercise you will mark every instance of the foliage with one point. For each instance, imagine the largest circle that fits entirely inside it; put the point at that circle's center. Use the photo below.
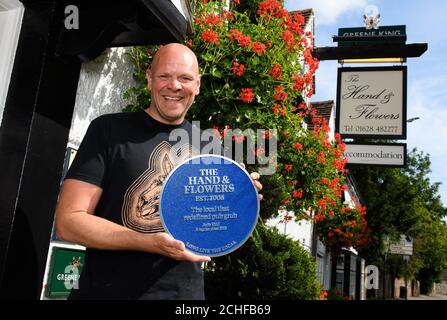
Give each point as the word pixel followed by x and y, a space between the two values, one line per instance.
pixel 404 201
pixel 139 96
pixel 276 268
pixel 345 229
pixel 431 250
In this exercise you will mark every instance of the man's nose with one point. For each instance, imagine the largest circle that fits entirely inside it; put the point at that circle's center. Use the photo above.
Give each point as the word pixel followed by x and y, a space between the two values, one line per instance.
pixel 174 84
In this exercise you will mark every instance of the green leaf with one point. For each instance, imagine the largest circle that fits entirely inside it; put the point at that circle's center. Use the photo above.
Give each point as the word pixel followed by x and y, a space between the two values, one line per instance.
pixel 207 56
pixel 215 72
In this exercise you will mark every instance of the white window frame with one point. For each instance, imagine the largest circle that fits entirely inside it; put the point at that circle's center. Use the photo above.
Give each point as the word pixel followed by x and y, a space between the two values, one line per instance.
pixel 11 14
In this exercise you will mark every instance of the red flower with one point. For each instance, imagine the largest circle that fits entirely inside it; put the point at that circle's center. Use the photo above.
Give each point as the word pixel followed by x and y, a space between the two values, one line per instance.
pixel 337 137
pixel 210 36
pixel 258 152
pixel 340 164
pixel 298 83
pixel 239 138
pixel 269 7
pixel 323 295
pixel 297 146
pixel 288 38
pixel 294 23
pixel 243 40
pixel 280 95
pixel 266 134
pixel 286 218
pixel 283 111
pixel 297 193
pixel 288 167
pixel 276 72
pixel 322 204
pixel 227 15
pixel 258 47
pixel 216 131
pixel 276 108
pixel 211 20
pixel 321 158
pixel 279 109
pixel 247 95
pixel 238 69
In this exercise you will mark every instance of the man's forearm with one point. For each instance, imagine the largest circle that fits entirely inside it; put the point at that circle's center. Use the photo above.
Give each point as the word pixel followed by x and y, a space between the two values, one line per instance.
pixel 95 232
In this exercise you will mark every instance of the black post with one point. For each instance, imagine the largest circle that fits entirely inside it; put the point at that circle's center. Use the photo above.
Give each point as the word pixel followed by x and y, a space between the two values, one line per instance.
pixel 33 139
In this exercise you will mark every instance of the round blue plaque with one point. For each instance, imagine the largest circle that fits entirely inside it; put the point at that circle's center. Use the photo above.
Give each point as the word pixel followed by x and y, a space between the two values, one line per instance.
pixel 210 203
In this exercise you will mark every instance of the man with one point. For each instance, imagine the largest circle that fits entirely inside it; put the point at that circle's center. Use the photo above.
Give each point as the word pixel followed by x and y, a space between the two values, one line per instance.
pixel 109 200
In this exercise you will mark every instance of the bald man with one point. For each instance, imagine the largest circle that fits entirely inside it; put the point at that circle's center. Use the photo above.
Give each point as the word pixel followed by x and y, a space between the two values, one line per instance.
pixel 110 196
pixel 173 81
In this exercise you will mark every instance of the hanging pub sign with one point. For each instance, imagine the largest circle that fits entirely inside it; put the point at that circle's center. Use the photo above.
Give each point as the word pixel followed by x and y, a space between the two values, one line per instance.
pixel 356 36
pixel 371 102
pixel 387 155
pixel 404 246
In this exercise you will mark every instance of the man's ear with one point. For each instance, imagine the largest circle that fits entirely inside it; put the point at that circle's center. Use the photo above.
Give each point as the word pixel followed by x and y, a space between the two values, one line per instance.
pixel 198 85
pixel 149 78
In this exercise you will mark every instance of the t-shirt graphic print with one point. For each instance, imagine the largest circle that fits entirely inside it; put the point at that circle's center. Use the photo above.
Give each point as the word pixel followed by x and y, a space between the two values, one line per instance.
pixel 141 201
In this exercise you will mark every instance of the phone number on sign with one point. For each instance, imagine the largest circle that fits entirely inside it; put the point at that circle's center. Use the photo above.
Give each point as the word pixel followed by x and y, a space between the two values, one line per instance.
pixel 378 129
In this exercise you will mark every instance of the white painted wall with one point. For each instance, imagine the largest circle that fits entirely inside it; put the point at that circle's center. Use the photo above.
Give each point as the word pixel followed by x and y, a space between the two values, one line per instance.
pixel 11 14
pixel 300 231
pixel 100 88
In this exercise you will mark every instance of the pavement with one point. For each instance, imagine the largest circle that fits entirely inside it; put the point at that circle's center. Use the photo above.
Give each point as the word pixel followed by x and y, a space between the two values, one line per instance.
pixel 425 297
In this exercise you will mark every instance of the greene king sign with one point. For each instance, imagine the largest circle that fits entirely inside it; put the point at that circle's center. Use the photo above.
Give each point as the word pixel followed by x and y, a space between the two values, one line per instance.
pixel 390 155
pixel 376 35
pixel 371 102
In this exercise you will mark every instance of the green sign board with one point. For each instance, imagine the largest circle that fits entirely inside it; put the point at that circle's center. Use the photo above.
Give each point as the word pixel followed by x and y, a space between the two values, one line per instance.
pixel 388 34
pixel 65 270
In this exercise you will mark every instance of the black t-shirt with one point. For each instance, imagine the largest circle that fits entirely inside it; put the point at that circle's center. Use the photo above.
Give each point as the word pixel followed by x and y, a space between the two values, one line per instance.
pixel 129 156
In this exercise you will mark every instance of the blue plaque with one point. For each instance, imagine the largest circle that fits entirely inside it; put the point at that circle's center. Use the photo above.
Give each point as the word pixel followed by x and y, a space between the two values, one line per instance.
pixel 210 203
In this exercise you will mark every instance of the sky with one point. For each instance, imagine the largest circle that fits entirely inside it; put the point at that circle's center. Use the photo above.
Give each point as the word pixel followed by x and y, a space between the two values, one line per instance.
pixel 426 75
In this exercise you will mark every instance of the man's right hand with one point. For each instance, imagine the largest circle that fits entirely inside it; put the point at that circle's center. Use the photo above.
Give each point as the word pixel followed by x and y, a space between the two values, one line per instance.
pixel 168 246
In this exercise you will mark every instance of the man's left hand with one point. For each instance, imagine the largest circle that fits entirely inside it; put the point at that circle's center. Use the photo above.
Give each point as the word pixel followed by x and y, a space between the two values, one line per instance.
pixel 255 178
